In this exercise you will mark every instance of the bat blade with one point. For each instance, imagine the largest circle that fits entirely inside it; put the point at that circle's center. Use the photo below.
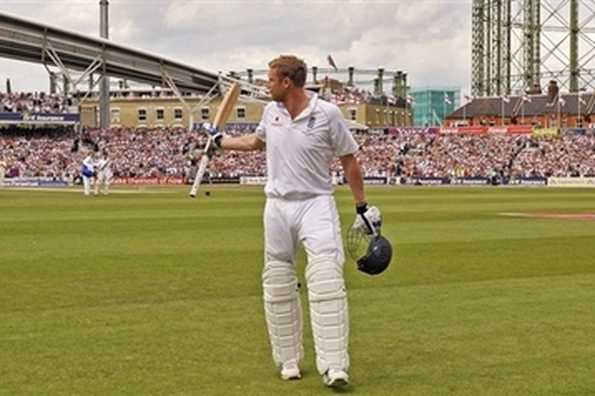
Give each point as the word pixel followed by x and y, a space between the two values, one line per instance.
pixel 223 112
pixel 226 106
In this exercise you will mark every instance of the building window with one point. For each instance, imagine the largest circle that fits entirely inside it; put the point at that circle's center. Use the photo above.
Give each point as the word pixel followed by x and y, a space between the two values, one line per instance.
pixel 352 114
pixel 205 113
pixel 142 114
pixel 115 115
pixel 178 114
pixel 240 113
pixel 160 113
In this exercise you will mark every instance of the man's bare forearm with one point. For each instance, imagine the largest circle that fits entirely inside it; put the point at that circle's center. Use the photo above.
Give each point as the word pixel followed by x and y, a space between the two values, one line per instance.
pixel 242 143
pixel 354 178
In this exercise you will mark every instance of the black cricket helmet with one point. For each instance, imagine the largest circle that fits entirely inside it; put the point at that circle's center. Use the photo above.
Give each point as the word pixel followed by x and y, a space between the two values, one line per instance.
pixel 378 256
pixel 372 253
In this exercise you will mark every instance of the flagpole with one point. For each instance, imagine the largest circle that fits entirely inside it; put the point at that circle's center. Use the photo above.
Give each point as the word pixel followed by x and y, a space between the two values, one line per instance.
pixel 523 111
pixel 502 115
pixel 579 110
pixel 559 119
pixel 444 109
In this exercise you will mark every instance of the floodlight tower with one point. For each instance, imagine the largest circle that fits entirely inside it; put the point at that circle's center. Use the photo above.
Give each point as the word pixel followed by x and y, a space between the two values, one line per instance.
pixel 104 120
pixel 492 31
pixel 519 45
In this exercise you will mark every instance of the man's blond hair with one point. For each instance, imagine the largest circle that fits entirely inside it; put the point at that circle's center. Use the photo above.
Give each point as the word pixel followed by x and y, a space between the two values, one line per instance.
pixel 291 67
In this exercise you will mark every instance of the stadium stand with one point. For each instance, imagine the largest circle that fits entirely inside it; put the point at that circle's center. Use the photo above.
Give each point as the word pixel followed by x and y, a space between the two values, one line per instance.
pixel 169 153
pixel 34 102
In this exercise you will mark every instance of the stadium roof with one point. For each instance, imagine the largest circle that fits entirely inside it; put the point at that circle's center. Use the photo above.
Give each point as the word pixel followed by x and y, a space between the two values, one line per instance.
pixel 30 41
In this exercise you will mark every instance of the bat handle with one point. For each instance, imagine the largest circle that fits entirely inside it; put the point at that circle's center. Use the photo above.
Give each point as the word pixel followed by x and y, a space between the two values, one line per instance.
pixel 370 227
pixel 201 169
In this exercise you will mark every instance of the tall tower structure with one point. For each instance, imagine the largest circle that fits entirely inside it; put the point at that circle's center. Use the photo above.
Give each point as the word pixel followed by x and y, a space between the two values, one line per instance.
pixel 519 45
pixel 104 119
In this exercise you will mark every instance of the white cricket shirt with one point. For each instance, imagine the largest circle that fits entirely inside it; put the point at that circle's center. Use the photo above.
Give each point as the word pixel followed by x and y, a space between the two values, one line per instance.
pixel 102 164
pixel 89 163
pixel 300 152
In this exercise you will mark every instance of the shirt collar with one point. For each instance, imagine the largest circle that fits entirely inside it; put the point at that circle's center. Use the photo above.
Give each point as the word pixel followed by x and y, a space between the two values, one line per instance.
pixel 307 111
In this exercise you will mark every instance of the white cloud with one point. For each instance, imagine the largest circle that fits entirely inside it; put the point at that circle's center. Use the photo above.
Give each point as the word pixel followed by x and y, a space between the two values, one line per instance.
pixel 430 40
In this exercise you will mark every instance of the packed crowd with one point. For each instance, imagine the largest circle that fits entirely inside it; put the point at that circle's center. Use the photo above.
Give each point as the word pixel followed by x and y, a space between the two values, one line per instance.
pixel 134 153
pixel 569 155
pixel 458 156
pixel 174 152
pixel 505 156
pixel 35 102
pixel 348 95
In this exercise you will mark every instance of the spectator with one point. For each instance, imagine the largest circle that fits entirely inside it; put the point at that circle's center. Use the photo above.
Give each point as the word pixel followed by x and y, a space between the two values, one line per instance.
pixel 169 152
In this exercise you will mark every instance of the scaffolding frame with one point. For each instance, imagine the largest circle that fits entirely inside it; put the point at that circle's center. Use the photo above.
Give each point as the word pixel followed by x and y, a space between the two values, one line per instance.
pixel 519 45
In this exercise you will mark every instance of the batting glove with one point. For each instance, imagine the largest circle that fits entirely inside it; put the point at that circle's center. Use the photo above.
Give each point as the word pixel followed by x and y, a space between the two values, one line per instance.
pixel 367 218
pixel 215 134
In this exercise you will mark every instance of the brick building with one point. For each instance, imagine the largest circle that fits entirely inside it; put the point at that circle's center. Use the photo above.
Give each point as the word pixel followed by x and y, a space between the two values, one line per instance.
pixel 550 110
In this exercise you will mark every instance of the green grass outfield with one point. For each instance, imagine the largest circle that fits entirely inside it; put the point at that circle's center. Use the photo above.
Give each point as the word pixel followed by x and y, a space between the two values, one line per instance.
pixel 147 292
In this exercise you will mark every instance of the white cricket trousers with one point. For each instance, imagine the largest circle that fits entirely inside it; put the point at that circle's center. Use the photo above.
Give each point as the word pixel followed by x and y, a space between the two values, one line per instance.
pixel 103 181
pixel 87 181
pixel 313 222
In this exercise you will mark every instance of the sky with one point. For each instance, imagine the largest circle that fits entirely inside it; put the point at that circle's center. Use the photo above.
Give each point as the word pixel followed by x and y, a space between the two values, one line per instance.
pixel 428 39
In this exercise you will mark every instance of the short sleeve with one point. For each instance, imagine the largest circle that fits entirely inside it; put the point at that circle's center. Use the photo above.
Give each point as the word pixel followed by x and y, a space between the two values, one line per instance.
pixel 261 129
pixel 342 140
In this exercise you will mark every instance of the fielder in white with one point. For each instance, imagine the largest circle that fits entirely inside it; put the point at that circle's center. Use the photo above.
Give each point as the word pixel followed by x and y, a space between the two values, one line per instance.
pixel 2 171
pixel 104 174
pixel 88 172
pixel 302 135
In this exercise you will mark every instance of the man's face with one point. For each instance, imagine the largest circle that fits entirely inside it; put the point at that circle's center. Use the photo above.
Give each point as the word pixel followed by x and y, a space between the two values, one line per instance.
pixel 278 86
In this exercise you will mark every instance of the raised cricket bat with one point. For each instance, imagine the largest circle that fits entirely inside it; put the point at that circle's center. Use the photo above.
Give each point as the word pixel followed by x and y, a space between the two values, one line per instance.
pixel 223 113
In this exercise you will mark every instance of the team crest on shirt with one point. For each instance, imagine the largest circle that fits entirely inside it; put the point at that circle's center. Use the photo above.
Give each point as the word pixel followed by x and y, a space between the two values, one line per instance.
pixel 310 130
pixel 276 122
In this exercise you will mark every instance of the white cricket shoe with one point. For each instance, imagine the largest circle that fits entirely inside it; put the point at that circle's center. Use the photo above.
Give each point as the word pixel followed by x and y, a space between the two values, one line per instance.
pixel 334 378
pixel 290 371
